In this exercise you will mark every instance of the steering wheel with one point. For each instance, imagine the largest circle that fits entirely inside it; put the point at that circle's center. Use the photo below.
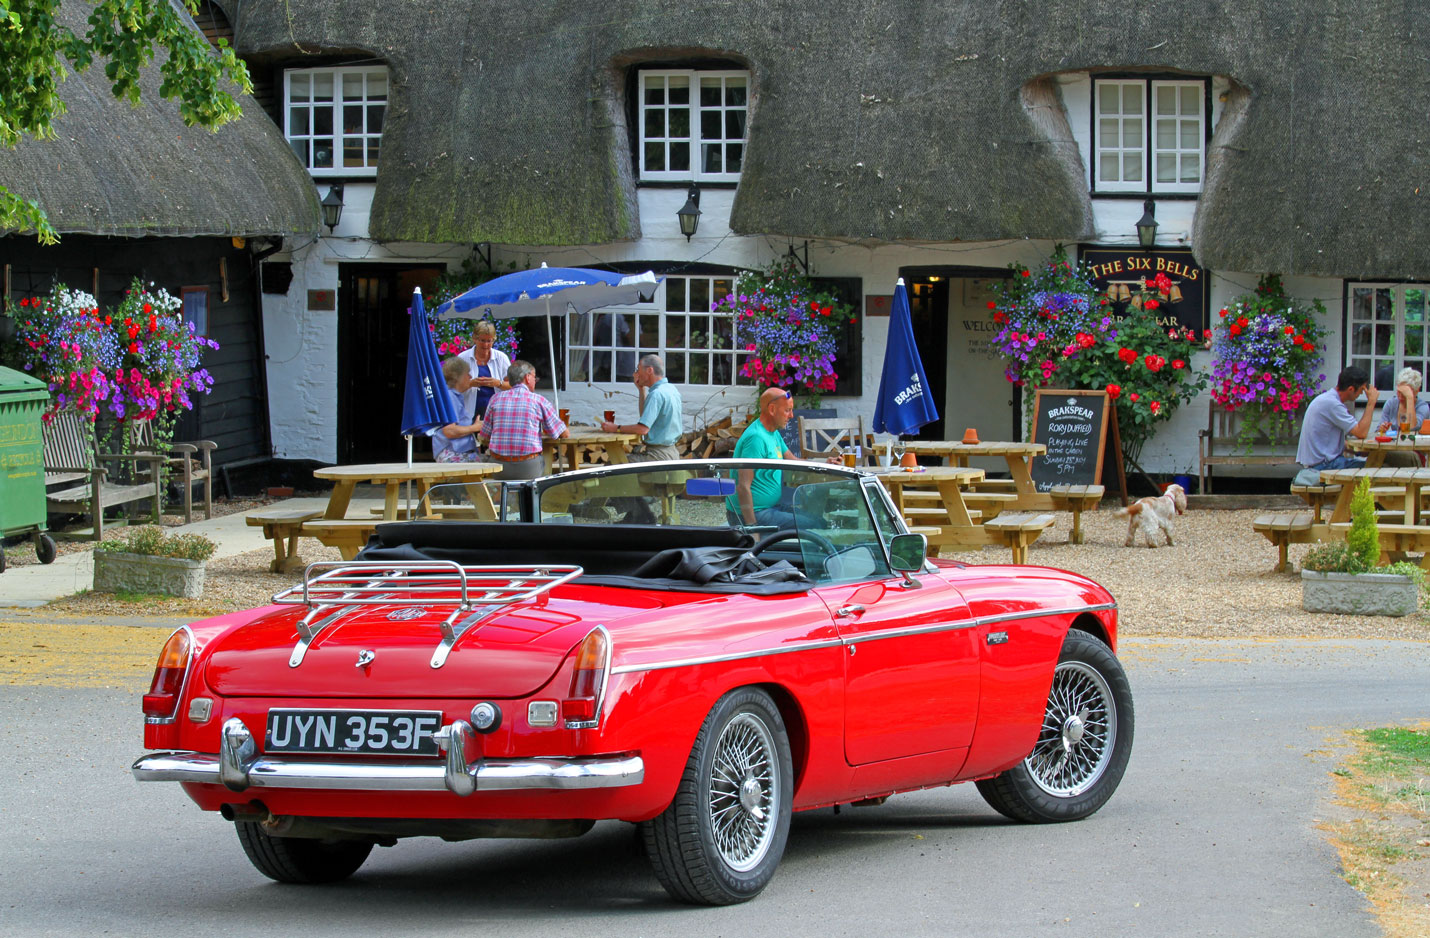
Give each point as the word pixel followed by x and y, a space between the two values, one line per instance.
pixel 785 534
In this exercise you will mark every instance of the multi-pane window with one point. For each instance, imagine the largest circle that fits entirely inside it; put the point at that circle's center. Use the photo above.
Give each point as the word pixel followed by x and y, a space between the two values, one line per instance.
pixel 692 125
pixel 679 324
pixel 333 118
pixel 1148 135
pixel 1388 329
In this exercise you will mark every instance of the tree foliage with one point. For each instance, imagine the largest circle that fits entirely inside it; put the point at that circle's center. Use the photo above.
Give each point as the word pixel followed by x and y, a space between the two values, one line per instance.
pixel 37 50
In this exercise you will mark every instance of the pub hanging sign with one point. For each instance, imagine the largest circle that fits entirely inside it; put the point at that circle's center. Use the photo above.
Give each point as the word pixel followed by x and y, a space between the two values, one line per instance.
pixel 1118 272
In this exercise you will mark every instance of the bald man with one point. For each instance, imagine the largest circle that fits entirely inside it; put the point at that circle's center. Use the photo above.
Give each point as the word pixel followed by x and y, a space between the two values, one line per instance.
pixel 758 497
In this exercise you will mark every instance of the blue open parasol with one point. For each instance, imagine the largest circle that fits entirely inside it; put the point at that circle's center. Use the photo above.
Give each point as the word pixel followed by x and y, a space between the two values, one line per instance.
pixel 425 401
pixel 544 290
pixel 903 404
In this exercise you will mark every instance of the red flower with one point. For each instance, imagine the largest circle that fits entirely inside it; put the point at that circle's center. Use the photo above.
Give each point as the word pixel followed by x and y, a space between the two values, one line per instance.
pixel 992 305
pixel 1290 330
pixel 1134 397
pixel 1127 355
pixel 1027 273
pixel 1178 363
pixel 1222 314
pixel 1155 406
pixel 1113 390
pixel 1151 304
pixel 1154 363
pixel 24 301
pixel 148 308
pixel 1000 317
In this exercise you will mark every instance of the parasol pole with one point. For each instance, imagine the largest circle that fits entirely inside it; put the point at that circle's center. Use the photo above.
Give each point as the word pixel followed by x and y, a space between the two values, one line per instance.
pixel 409 481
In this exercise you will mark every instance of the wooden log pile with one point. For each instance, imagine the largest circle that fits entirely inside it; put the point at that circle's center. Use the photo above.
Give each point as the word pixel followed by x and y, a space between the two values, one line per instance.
pixel 714 441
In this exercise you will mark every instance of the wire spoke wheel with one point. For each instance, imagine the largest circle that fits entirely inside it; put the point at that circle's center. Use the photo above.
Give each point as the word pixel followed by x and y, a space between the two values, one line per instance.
pixel 743 789
pixel 1079 725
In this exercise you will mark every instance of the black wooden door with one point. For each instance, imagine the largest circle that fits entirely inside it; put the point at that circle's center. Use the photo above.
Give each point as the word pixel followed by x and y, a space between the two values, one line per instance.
pixel 372 359
pixel 928 307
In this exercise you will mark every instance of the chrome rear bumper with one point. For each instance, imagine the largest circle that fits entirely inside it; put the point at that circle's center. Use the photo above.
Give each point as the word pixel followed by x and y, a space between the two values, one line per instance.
pixel 239 767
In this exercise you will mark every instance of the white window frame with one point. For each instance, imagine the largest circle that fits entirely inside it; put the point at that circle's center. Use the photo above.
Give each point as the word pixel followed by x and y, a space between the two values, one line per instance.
pixel 340 78
pixel 679 358
pixel 1397 328
pixel 694 140
pixel 1149 150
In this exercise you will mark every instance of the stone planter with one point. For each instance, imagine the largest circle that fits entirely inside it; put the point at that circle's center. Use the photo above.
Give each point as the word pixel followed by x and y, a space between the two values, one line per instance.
pixel 1358 594
pixel 142 573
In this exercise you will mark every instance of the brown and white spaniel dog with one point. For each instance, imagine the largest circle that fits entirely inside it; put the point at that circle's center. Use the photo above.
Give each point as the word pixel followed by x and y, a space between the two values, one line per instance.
pixel 1149 515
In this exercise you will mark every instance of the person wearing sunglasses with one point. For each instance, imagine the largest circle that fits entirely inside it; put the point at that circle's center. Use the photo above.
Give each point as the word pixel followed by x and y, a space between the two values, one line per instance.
pixel 760 497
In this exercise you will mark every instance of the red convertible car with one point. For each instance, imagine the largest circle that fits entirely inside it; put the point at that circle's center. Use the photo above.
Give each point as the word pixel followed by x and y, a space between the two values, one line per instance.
pixel 624 647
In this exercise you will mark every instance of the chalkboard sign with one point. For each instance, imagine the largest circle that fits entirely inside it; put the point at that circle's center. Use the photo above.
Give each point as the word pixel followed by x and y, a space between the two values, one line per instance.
pixel 791 429
pixel 1073 426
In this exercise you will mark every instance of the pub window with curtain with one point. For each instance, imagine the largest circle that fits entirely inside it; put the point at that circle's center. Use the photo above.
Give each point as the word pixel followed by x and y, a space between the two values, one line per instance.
pixel 196 308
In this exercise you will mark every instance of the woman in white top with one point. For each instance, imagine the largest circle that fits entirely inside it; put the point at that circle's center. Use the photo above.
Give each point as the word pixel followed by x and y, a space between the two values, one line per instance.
pixel 488 365
pixel 1407 388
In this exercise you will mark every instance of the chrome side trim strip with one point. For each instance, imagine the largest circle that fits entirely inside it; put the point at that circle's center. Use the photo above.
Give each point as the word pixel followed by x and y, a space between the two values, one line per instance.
pixel 834 642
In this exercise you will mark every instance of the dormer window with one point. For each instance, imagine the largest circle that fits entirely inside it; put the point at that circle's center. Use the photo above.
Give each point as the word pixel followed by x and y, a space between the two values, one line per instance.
pixel 333 118
pixel 692 124
pixel 1149 135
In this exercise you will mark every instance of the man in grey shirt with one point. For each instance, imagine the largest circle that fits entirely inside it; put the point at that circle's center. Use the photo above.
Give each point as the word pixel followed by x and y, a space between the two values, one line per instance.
pixel 1328 419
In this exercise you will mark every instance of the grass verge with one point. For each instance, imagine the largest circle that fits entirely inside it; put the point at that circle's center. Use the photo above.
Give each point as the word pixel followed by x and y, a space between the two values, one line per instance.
pixel 1384 837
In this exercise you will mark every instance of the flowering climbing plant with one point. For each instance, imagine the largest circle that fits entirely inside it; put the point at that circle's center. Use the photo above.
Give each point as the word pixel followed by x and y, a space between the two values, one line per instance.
pixel 787 329
pixel 1268 359
pixel 136 362
pixel 451 336
pixel 1056 330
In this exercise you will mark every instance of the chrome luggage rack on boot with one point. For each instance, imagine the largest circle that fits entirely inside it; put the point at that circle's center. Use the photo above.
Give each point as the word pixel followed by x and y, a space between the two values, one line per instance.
pixel 476 591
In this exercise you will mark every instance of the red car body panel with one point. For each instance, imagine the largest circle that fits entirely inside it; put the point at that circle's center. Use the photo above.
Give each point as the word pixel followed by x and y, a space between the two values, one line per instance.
pixel 907 692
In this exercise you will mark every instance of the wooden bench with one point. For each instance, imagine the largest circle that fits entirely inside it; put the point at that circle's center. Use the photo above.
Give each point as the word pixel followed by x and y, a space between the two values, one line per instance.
pixel 348 535
pixel 191 462
pixel 988 504
pixel 75 478
pixel 282 526
pixel 1396 540
pixel 1076 499
pixel 1017 531
pixel 1219 445
pixel 1284 528
pixel 1317 496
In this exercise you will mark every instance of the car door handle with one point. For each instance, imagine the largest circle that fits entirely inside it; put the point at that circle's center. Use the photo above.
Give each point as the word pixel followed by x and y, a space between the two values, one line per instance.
pixel 844 612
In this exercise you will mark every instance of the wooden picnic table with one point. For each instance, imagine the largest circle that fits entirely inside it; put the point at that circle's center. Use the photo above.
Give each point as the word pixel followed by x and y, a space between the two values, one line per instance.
pixel 1411 480
pixel 1018 456
pixel 567 450
pixel 954 525
pixel 1375 451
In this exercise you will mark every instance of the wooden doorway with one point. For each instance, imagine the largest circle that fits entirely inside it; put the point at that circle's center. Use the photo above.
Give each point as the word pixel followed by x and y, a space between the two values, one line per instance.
pixel 372 359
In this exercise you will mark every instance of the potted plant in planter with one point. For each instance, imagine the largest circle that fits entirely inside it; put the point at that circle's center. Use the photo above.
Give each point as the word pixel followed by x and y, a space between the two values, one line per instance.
pixel 146 560
pixel 1345 578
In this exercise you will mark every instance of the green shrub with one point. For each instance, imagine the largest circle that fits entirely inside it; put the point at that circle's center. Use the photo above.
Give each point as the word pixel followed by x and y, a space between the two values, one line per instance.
pixel 1363 539
pixel 1329 558
pixel 153 542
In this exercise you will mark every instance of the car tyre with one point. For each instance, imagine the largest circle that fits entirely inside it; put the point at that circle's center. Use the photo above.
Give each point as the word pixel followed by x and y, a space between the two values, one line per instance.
pixel 1083 746
pixel 300 860
pixel 722 836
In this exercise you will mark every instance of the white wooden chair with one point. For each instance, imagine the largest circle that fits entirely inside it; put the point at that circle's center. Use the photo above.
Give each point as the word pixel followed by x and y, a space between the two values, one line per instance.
pixel 820 437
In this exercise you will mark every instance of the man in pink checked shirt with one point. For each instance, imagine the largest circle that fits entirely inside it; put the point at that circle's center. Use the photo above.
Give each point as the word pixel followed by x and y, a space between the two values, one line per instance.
pixel 515 422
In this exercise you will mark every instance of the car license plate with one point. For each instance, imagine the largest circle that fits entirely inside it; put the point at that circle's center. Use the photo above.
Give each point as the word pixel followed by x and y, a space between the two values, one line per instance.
pixel 378 732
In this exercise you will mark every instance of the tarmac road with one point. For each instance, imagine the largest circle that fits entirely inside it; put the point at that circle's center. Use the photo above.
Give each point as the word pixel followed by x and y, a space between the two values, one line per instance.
pixel 1213 831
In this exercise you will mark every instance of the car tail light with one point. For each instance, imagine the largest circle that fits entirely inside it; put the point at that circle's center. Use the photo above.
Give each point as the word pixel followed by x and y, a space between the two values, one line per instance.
pixel 588 681
pixel 162 701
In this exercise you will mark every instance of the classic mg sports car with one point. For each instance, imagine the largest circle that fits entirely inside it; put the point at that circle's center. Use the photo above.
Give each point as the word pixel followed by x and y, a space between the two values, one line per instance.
pixel 624 647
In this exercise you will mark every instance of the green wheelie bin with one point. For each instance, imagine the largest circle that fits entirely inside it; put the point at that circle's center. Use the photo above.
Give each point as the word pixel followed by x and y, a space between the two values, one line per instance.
pixel 23 400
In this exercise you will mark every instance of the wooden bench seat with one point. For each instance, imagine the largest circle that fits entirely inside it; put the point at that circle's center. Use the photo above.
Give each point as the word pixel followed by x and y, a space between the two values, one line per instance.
pixel 996 485
pixel 1317 496
pixel 932 514
pixel 76 479
pixel 1284 528
pixel 1017 531
pixel 348 535
pixel 1220 444
pixel 1076 499
pixel 282 526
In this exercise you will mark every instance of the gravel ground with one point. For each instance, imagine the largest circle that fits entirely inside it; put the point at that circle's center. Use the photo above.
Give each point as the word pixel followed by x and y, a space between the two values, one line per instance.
pixel 1216 581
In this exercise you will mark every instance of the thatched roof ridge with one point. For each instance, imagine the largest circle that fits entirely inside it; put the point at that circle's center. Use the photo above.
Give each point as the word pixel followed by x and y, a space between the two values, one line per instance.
pixel 125 171
pixel 893 120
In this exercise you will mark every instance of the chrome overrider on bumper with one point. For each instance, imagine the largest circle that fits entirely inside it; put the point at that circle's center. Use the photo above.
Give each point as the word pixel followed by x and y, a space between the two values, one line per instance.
pixel 239 766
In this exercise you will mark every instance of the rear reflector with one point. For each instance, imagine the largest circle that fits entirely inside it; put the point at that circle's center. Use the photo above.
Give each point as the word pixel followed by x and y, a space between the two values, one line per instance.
pixel 589 678
pixel 163 698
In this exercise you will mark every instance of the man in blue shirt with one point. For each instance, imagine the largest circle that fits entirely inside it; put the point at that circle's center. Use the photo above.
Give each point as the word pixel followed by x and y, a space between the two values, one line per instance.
pixel 760 497
pixel 1330 416
pixel 660 421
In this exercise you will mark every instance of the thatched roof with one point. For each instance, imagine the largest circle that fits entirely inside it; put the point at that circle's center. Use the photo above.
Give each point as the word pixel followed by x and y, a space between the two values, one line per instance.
pixel 139 171
pixel 891 120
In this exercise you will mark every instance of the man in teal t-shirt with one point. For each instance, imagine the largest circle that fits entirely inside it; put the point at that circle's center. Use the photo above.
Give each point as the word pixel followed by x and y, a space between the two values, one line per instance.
pixel 759 493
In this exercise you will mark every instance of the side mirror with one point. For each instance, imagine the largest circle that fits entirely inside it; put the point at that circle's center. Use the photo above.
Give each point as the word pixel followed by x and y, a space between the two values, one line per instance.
pixel 907 552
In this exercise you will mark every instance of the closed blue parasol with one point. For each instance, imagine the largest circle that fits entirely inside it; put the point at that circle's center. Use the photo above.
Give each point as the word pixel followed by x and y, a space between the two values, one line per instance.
pixel 547 290
pixel 903 404
pixel 425 401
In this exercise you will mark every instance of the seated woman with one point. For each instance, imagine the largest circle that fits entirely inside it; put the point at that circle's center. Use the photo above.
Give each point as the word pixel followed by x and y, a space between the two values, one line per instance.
pixel 457 442
pixel 1404 402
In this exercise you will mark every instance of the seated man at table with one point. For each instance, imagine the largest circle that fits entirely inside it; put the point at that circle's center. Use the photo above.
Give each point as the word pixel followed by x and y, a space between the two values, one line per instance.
pixel 456 442
pixel 1330 416
pixel 660 419
pixel 760 497
pixel 515 422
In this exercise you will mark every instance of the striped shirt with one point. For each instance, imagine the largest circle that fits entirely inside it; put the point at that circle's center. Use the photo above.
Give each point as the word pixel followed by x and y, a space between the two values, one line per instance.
pixel 515 420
